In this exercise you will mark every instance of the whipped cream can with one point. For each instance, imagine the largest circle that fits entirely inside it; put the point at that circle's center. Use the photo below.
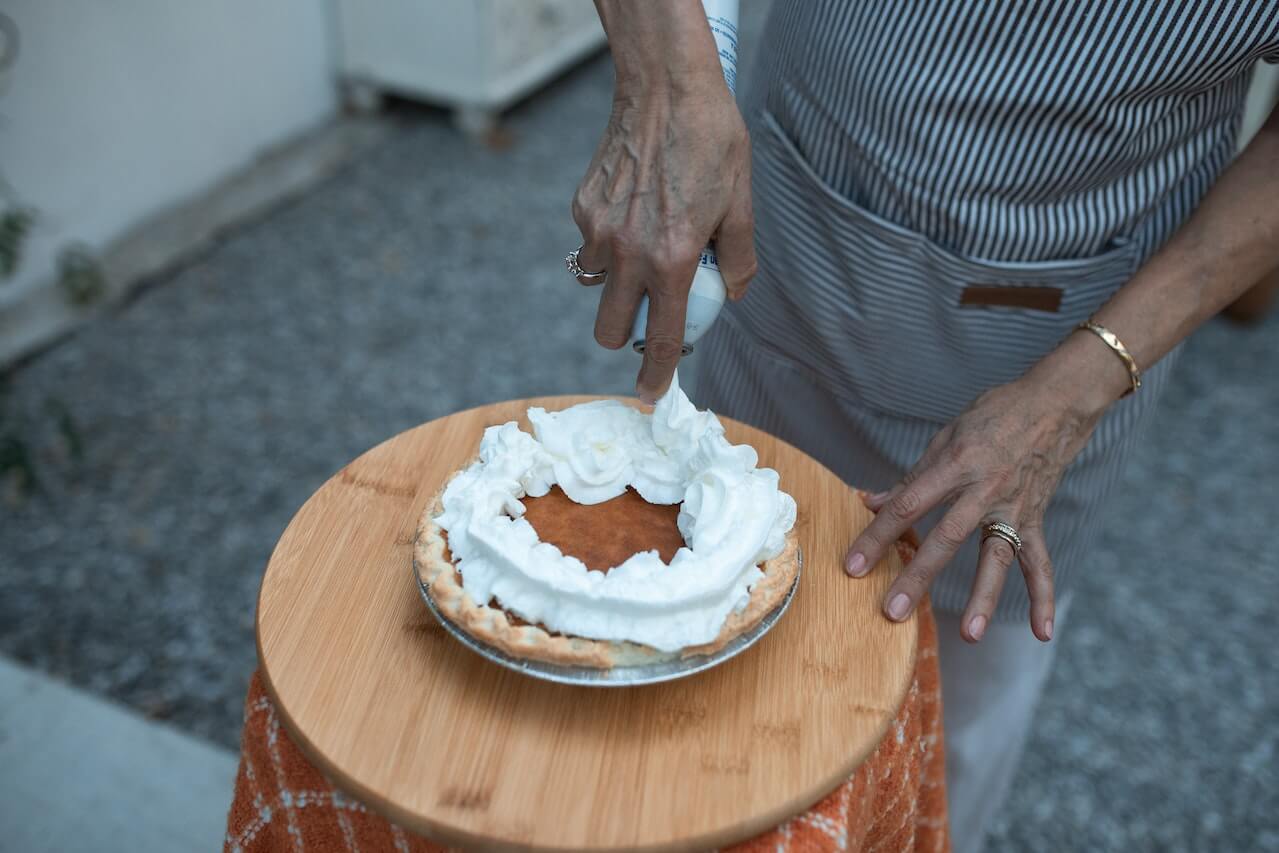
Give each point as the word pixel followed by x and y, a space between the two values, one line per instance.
pixel 706 297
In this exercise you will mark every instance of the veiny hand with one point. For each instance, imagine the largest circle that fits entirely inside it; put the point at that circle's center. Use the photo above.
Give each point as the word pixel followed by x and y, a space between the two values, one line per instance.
pixel 1000 460
pixel 672 171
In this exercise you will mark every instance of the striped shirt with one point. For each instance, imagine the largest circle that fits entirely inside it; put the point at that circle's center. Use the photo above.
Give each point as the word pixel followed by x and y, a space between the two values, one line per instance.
pixel 907 151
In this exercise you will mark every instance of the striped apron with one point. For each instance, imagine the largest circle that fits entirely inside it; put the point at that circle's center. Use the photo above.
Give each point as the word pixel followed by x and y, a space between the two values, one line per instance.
pixel 943 190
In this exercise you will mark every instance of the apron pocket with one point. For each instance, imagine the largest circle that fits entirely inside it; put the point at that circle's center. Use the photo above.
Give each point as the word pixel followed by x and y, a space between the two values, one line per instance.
pixel 886 317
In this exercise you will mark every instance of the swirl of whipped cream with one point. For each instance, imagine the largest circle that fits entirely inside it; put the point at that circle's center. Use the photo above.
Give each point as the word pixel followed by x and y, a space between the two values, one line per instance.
pixel 733 516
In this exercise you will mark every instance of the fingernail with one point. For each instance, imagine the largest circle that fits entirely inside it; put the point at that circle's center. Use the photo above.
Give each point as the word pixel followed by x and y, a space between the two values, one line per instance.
pixel 879 496
pixel 898 607
pixel 856 565
pixel 1048 628
pixel 977 627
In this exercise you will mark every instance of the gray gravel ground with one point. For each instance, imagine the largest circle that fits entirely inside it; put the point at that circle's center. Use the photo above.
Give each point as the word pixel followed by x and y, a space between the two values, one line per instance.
pixel 427 278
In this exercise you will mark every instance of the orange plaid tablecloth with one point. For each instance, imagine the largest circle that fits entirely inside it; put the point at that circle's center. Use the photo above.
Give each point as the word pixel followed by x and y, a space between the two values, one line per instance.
pixel 896 801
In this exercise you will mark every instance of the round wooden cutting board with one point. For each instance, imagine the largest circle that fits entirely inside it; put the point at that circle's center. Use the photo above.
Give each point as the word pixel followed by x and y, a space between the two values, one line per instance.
pixel 436 738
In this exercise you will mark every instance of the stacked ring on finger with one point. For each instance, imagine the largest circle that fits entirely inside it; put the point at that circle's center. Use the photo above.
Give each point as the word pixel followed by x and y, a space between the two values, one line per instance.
pixel 582 276
pixel 1003 531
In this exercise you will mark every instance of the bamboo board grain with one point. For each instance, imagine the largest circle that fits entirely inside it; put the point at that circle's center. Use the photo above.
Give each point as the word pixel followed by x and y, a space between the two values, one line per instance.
pixel 439 740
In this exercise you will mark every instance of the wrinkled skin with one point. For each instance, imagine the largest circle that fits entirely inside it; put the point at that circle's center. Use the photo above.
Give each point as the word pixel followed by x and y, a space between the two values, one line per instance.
pixel 1000 460
pixel 671 172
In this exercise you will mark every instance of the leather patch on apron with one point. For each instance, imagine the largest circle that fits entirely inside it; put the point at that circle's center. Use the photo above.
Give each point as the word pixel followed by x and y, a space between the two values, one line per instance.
pixel 1011 296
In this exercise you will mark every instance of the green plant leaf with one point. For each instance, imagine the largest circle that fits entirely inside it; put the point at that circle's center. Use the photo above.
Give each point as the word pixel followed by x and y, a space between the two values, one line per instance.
pixel 80 276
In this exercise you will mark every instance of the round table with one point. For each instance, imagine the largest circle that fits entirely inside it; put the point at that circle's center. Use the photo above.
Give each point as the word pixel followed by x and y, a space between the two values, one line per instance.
pixel 441 741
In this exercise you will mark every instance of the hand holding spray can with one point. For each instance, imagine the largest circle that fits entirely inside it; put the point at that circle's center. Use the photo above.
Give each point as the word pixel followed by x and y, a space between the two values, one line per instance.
pixel 706 297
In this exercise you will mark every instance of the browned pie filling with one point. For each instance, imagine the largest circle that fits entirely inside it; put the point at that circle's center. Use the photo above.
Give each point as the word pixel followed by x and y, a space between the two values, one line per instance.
pixel 604 535
pixel 601 535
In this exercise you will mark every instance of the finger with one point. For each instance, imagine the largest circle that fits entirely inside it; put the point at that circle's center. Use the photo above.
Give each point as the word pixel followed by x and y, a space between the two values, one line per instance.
pixel 735 242
pixel 623 289
pixel 1037 568
pixel 938 548
pixel 593 257
pixel 994 559
pixel 663 343
pixel 932 453
pixel 874 501
pixel 909 505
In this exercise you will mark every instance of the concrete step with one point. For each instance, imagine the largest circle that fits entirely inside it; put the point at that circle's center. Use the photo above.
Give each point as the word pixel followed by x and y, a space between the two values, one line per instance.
pixel 78 773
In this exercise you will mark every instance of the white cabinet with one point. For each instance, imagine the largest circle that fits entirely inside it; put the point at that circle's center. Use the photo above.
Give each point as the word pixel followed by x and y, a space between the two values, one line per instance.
pixel 1263 95
pixel 474 56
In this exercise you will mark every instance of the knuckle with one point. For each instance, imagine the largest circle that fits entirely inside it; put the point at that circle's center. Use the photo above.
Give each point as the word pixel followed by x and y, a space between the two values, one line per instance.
pixel 964 445
pixel 1044 568
pixel 1001 551
pixel 871 540
pixel 673 262
pixel 609 338
pixel 917 577
pixel 950 533
pixel 662 349
pixel 905 505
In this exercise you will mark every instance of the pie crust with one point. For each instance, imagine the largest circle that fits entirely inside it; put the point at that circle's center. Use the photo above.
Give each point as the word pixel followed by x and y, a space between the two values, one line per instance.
pixel 495 627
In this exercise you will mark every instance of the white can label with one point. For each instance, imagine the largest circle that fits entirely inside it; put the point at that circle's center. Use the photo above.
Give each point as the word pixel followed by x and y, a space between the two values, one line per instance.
pixel 709 259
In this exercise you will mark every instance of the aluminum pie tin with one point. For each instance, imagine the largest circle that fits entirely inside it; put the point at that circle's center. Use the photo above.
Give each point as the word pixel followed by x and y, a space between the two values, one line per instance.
pixel 618 676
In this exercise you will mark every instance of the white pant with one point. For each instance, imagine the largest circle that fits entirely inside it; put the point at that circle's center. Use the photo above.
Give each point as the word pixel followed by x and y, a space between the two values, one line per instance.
pixel 989 694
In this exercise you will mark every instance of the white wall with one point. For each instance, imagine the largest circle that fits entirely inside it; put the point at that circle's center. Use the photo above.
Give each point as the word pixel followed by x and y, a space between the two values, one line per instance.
pixel 117 109
pixel 1261 98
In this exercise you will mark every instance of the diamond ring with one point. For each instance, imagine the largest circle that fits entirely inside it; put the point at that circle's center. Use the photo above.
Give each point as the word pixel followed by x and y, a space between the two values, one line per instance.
pixel 580 274
pixel 1006 532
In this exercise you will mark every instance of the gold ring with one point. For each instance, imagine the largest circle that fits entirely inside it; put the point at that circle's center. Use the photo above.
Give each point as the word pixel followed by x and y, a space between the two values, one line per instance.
pixel 1006 532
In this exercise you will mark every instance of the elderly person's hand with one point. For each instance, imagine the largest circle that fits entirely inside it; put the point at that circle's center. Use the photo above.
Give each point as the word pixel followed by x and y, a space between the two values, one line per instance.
pixel 1000 460
pixel 671 172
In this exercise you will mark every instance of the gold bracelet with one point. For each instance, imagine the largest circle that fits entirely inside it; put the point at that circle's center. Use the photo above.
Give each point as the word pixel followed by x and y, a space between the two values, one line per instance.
pixel 1116 346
